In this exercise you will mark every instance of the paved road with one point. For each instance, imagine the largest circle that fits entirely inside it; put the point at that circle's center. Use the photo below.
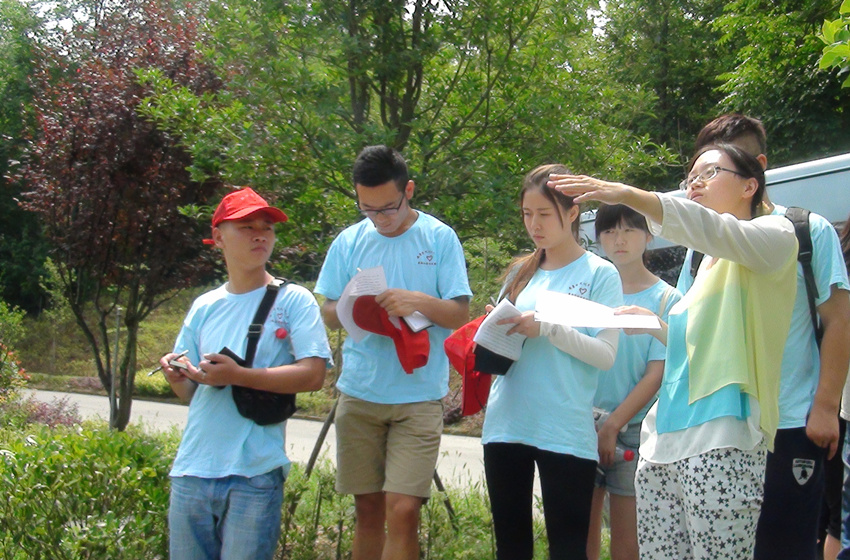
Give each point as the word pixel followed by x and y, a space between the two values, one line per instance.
pixel 460 463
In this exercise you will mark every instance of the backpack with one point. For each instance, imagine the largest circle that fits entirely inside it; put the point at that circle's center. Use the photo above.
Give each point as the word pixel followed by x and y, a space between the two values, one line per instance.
pixel 800 218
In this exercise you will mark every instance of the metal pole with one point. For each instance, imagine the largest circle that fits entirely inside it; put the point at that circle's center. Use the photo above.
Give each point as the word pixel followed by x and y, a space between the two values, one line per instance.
pixel 112 406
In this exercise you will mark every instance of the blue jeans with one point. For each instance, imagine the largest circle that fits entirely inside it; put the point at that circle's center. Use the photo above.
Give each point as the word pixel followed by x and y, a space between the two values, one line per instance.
pixel 231 518
pixel 845 502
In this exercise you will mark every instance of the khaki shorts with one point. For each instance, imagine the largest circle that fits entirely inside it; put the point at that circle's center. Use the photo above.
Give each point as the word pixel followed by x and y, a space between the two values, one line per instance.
pixel 387 447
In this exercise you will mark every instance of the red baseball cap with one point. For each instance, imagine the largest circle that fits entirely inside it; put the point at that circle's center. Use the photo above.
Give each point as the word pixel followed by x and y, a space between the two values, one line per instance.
pixel 460 347
pixel 241 204
pixel 411 347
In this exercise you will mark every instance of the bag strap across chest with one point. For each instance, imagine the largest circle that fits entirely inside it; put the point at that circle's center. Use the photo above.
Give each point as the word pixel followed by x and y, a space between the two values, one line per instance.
pixel 255 329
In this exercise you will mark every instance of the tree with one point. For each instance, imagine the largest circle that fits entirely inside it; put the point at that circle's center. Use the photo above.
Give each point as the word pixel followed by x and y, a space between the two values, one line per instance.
pixel 22 247
pixel 836 35
pixel 667 49
pixel 474 93
pixel 107 184
pixel 776 77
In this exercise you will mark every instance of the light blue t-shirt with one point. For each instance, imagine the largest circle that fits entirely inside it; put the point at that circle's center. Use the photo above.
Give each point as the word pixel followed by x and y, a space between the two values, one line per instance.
pixel 427 258
pixel 218 441
pixel 635 352
pixel 675 411
pixel 801 360
pixel 545 400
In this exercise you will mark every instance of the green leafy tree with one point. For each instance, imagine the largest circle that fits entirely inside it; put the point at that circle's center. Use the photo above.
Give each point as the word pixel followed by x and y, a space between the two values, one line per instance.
pixel 22 247
pixel 836 35
pixel 776 77
pixel 666 49
pixel 473 93
pixel 107 183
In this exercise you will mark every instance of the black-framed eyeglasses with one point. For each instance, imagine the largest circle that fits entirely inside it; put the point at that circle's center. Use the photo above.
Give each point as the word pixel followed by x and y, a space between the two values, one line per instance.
pixel 384 211
pixel 706 176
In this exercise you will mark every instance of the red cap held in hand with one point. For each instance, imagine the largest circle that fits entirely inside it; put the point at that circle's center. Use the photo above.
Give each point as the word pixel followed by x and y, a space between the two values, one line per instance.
pixel 411 347
pixel 460 349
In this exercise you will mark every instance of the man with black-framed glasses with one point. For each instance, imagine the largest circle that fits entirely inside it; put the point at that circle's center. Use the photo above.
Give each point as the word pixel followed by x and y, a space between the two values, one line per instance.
pixel 389 420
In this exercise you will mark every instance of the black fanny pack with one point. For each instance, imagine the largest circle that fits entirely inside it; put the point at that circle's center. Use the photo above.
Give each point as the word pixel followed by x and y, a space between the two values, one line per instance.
pixel 263 407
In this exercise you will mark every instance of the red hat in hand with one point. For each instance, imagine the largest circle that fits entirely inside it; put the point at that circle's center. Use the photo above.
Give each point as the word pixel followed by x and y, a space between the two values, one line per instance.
pixel 411 347
pixel 475 364
pixel 460 349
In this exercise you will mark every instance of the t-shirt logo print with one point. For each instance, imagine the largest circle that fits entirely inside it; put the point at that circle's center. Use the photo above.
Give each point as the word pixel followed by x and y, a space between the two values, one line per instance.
pixel 426 257
pixel 579 289
pixel 802 470
pixel 279 316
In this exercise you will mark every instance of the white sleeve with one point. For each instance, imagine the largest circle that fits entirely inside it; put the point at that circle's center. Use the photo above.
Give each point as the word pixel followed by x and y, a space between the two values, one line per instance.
pixel 762 244
pixel 599 352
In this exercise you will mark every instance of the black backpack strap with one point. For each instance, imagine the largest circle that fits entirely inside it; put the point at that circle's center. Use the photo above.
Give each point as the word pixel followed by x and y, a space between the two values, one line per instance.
pixel 255 329
pixel 696 260
pixel 800 218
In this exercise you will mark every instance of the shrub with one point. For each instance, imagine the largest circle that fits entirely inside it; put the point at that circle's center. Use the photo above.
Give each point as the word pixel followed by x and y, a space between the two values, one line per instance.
pixel 58 412
pixel 84 492
pixel 11 324
pixel 316 404
pixel 19 413
pixel 152 386
pixel 12 375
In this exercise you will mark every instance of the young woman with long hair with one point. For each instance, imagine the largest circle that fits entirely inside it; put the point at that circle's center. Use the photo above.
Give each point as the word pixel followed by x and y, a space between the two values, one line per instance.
pixel 541 411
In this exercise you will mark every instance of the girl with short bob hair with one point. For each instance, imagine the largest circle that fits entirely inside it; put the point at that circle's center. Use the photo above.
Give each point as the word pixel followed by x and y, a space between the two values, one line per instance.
pixel 700 476
pixel 627 390
pixel 540 411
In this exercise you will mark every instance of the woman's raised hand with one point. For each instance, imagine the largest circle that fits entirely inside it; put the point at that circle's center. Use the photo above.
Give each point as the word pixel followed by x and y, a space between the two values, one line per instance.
pixel 585 188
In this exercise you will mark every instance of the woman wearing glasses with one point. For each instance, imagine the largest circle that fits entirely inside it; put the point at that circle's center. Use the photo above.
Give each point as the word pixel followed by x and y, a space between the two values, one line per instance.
pixel 703 445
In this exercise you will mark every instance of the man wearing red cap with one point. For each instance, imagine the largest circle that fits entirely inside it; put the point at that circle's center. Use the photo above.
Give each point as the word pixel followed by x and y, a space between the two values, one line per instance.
pixel 227 479
pixel 389 421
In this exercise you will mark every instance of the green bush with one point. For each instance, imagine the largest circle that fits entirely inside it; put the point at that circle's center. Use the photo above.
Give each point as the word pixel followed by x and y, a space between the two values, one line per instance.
pixel 12 375
pixel 84 492
pixel 11 324
pixel 316 404
pixel 152 386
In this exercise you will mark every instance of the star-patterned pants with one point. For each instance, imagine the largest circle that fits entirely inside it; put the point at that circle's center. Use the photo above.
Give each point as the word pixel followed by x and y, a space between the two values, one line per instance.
pixel 703 507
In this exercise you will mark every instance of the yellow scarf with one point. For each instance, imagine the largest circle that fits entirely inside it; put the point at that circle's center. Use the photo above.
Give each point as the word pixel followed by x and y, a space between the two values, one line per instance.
pixel 738 322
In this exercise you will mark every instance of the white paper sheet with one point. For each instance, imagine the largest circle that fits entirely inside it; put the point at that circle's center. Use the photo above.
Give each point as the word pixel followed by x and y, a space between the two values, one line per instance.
pixel 370 282
pixel 494 337
pixel 573 311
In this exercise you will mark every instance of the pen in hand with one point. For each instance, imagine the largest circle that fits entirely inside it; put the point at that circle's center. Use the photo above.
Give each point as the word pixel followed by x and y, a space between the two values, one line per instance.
pixel 180 355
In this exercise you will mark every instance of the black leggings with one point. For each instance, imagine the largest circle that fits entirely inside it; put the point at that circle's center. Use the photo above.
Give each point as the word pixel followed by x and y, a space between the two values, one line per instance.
pixel 566 484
